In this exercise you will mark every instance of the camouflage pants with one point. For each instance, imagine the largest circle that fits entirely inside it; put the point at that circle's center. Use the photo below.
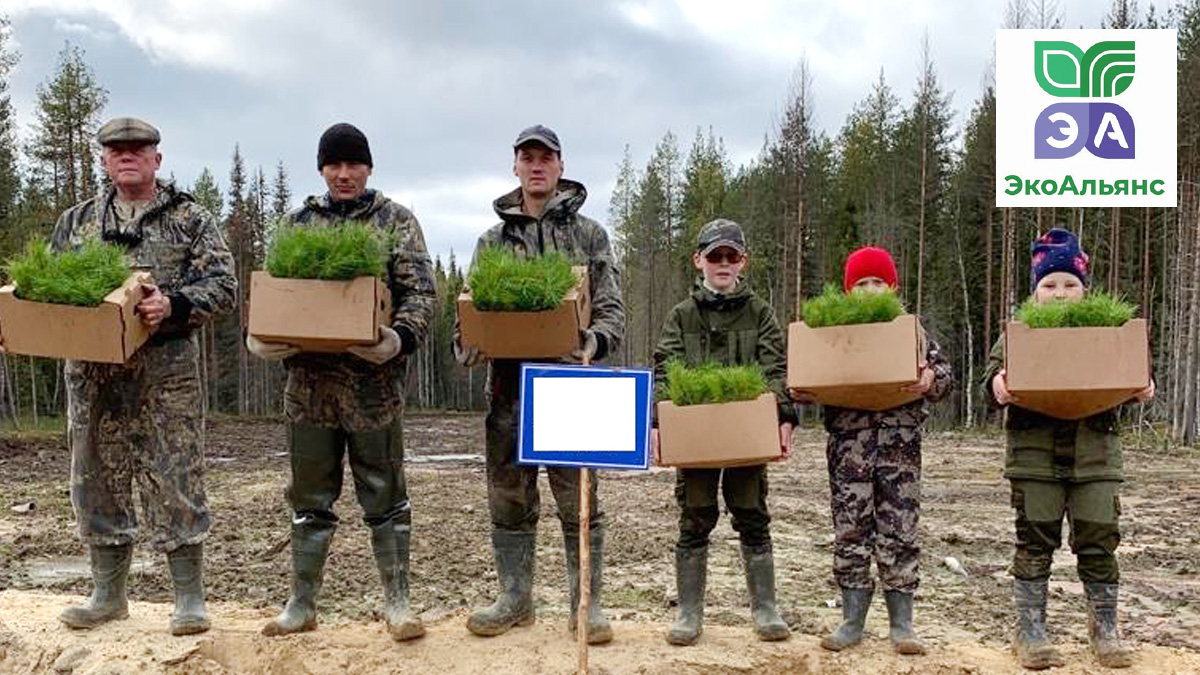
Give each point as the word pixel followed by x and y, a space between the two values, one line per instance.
pixel 1091 508
pixel 875 480
pixel 745 492
pixel 376 462
pixel 512 488
pixel 141 422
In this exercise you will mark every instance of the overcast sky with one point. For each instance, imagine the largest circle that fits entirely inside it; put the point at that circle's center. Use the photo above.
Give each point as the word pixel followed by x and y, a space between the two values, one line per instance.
pixel 442 88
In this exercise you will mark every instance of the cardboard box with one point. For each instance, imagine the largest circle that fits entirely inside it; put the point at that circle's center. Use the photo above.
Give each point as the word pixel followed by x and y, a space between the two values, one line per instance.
pixel 318 315
pixel 528 335
pixel 1072 373
pixel 741 433
pixel 862 366
pixel 107 333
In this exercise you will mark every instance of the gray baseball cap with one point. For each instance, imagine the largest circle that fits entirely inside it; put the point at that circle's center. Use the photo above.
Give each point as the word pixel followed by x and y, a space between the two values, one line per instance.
pixel 127 130
pixel 538 134
pixel 718 233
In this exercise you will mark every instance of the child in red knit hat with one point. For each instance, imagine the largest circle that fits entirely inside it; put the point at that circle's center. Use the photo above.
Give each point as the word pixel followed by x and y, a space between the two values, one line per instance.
pixel 875 478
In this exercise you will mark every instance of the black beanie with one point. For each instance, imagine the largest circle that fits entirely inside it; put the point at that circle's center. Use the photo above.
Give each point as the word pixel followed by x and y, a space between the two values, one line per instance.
pixel 343 143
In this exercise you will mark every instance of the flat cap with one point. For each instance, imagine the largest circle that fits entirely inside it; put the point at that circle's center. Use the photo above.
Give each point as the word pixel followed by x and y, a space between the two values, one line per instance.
pixel 127 130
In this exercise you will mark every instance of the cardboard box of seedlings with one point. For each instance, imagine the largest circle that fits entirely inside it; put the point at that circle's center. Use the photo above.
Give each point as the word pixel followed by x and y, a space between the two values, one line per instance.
pixel 107 333
pixel 860 366
pixel 1072 373
pixel 738 433
pixel 528 335
pixel 318 315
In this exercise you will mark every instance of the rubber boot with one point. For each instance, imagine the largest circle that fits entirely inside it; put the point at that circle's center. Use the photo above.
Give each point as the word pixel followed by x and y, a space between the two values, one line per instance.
pixel 514 553
pixel 691 570
pixel 187 573
pixel 900 630
pixel 855 603
pixel 390 542
pixel 760 581
pixel 310 546
pixel 110 570
pixel 599 629
pixel 1102 626
pixel 1033 646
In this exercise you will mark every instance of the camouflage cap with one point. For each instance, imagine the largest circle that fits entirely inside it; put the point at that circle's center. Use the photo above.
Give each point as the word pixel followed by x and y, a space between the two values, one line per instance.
pixel 718 233
pixel 538 134
pixel 127 130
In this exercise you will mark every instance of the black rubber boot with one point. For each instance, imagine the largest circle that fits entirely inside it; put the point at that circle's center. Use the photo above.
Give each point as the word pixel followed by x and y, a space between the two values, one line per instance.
pixel 599 629
pixel 760 581
pixel 187 573
pixel 1032 644
pixel 855 603
pixel 1103 632
pixel 310 546
pixel 110 570
pixel 390 542
pixel 900 630
pixel 691 570
pixel 514 569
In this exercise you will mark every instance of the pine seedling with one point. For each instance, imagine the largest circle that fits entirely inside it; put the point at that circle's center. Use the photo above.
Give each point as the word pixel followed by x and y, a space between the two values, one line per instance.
pixel 836 308
pixel 712 383
pixel 502 282
pixel 337 252
pixel 81 277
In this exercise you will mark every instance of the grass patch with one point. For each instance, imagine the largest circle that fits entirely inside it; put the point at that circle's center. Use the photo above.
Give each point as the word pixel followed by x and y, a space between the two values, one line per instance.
pixel 711 383
pixel 82 277
pixel 1096 309
pixel 502 282
pixel 834 307
pixel 336 252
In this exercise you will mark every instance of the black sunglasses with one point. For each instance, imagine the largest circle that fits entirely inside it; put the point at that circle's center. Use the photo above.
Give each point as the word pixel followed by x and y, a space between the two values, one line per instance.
pixel 729 255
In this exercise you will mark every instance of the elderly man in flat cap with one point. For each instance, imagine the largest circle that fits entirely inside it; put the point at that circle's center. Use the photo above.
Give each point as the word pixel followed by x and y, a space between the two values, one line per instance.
pixel 142 423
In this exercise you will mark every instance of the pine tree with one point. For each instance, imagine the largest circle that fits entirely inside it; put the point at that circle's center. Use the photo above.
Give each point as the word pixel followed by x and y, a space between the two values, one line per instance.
pixel 68 114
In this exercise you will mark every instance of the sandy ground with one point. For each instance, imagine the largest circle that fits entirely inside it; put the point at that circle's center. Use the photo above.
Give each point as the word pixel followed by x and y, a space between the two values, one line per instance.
pixel 965 619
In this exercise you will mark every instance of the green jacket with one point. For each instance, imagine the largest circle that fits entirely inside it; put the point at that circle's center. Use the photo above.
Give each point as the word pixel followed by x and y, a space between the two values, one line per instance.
pixel 735 329
pixel 583 240
pixel 342 390
pixel 1040 447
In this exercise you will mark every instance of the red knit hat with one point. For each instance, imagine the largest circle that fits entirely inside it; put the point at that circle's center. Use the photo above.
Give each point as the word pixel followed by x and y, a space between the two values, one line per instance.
pixel 870 261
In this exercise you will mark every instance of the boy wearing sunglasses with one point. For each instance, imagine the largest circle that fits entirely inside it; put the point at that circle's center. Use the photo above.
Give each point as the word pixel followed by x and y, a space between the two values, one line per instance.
pixel 724 322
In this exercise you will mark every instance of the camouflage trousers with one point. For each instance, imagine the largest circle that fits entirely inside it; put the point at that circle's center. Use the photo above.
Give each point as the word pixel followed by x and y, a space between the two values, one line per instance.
pixel 376 462
pixel 875 480
pixel 512 488
pixel 1092 509
pixel 138 423
pixel 745 492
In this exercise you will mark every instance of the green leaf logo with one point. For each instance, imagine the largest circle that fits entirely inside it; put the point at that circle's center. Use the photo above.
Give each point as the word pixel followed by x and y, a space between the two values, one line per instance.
pixel 1064 70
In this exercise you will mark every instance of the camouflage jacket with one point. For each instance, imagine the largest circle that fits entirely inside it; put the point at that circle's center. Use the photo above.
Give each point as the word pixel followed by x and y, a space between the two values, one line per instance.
pixel 583 240
pixel 1040 447
pixel 734 329
pixel 342 390
pixel 175 240
pixel 911 415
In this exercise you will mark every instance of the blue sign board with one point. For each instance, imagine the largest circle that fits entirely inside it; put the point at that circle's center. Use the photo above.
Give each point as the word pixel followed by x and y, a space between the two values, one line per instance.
pixel 585 416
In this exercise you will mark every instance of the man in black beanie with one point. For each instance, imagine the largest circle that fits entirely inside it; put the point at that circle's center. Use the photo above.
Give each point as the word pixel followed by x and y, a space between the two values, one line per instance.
pixel 353 402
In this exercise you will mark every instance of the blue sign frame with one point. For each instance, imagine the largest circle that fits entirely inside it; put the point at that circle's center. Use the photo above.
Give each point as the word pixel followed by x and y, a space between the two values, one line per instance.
pixel 637 460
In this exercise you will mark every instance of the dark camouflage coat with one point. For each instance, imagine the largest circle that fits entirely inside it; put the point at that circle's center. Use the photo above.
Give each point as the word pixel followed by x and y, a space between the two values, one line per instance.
pixel 1040 447
pixel 562 228
pixel 179 244
pixel 142 422
pixel 342 390
pixel 913 414
pixel 734 329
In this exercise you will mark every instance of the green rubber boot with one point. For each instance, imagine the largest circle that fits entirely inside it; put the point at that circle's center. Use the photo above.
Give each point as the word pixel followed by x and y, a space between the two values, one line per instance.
pixel 110 570
pixel 691 570
pixel 310 546
pixel 855 603
pixel 514 553
pixel 390 542
pixel 187 573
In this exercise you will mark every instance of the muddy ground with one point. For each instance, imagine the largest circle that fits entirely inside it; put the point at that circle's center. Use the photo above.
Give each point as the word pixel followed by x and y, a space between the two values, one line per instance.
pixel 965 618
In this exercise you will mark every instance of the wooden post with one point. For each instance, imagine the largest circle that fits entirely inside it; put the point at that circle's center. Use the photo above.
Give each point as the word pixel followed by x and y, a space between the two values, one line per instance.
pixel 585 568
pixel 585 564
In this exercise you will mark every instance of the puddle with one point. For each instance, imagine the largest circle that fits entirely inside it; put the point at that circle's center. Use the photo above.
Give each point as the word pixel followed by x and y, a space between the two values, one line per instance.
pixel 54 571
